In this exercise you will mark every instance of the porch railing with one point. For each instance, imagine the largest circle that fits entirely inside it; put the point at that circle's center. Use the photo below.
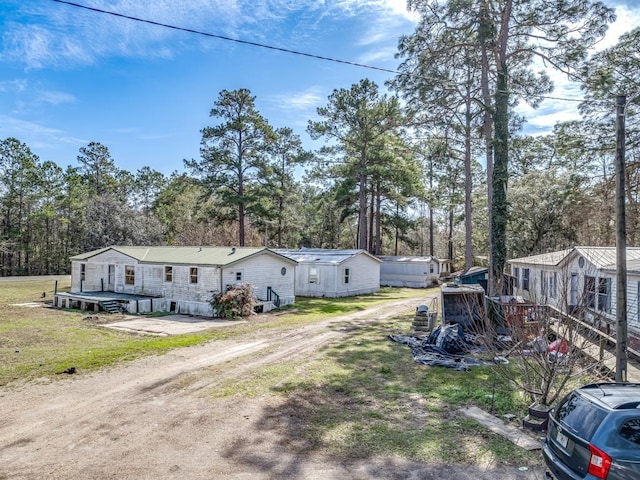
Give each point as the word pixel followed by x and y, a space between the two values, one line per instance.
pixel 273 297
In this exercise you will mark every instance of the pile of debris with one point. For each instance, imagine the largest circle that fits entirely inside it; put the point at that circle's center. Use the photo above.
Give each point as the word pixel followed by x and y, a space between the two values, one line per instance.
pixel 446 346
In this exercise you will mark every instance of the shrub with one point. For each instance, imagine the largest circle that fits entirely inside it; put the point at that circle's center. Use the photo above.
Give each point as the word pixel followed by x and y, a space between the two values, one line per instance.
pixel 237 301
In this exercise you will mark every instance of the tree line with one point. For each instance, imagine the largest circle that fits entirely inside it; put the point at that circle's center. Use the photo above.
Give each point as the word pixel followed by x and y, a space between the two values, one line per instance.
pixel 439 165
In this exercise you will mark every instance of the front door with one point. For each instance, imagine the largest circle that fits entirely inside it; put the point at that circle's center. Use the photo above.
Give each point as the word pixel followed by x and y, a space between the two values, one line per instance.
pixel 573 291
pixel 112 278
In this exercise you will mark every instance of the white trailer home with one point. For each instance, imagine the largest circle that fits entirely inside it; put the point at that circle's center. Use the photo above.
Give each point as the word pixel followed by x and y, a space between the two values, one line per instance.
pixel 410 271
pixel 334 273
pixel 579 278
pixel 176 279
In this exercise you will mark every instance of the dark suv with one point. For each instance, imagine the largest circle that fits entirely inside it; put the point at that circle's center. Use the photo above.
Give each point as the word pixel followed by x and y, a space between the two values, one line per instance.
pixel 594 432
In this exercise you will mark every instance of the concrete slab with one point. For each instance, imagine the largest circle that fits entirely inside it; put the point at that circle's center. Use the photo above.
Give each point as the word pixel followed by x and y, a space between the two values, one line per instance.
pixel 170 324
pixel 503 429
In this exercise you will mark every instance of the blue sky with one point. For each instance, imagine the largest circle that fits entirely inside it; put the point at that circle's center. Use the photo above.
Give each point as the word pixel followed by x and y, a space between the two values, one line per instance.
pixel 71 76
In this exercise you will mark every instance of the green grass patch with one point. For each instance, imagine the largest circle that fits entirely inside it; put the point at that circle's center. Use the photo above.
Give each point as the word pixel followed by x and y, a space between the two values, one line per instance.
pixel 36 342
pixel 309 310
pixel 359 397
pixel 364 396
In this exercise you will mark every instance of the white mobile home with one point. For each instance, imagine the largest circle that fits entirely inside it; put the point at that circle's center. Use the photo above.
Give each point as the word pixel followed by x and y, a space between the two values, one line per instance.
pixel 178 279
pixel 579 278
pixel 334 273
pixel 409 271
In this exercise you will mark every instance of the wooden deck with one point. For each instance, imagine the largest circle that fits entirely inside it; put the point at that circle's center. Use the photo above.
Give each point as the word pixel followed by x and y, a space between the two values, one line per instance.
pixel 601 349
pixel 92 301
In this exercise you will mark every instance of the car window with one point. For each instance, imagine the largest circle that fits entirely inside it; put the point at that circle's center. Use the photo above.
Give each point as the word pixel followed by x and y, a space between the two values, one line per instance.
pixel 579 415
pixel 631 430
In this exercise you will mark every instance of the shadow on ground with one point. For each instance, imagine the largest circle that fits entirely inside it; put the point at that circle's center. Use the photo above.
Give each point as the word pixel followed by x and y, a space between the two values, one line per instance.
pixel 368 411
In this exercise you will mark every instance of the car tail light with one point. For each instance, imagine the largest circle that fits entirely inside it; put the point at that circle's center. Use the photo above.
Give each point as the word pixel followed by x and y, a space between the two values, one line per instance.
pixel 600 463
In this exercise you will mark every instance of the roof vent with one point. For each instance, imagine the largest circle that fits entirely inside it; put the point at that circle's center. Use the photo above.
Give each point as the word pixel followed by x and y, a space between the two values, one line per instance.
pixel 200 249
pixel 233 250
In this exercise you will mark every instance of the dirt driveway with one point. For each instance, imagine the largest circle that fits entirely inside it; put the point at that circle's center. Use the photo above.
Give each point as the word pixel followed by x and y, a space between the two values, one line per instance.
pixel 153 419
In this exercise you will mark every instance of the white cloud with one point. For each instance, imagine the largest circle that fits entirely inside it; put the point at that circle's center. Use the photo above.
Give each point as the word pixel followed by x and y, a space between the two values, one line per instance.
pixel 566 95
pixel 626 20
pixel 384 55
pixel 35 135
pixel 63 36
pixel 306 100
pixel 56 98
pixel 13 86
pixel 395 8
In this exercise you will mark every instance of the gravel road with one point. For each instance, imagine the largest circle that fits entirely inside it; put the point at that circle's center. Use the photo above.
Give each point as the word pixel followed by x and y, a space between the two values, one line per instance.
pixel 154 419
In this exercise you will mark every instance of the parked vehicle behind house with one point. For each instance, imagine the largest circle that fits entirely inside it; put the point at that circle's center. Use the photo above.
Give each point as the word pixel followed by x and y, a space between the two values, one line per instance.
pixel 594 433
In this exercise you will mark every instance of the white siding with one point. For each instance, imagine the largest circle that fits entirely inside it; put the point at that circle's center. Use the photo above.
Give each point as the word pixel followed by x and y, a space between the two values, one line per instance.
pixel 364 277
pixel 326 280
pixel 264 271
pixel 97 272
pixel 539 291
pixel 412 274
pixel 633 293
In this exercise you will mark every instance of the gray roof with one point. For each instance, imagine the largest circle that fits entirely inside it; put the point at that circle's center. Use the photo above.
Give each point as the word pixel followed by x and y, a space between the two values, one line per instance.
pixel 407 259
pixel 214 256
pixel 551 258
pixel 323 255
pixel 475 270
pixel 601 257
pixel 633 266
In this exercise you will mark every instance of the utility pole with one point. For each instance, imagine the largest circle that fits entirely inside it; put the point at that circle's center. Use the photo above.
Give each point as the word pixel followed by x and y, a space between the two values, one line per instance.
pixel 621 246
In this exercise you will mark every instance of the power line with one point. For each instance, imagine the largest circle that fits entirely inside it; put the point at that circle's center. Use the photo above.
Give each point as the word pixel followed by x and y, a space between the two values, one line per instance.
pixel 230 39
pixel 280 49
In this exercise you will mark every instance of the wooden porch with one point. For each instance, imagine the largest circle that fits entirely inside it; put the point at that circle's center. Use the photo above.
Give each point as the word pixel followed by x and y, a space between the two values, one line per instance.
pixel 110 302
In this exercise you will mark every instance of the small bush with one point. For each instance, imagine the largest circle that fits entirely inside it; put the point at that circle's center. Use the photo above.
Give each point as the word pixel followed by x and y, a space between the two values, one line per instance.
pixel 237 301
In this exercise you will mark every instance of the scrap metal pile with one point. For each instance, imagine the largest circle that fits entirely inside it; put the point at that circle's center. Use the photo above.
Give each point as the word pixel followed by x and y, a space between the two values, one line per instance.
pixel 446 346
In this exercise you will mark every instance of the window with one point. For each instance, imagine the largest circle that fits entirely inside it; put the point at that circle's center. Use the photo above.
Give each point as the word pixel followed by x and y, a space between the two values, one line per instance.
pixel 193 275
pixel 590 292
pixel 604 294
pixel 580 415
pixel 525 279
pixel 346 275
pixel 168 274
pixel 129 275
pixel 553 285
pixel 516 275
pixel 313 275
pixel 83 271
pixel 631 430
pixel 431 268
pixel 283 271
pixel 238 276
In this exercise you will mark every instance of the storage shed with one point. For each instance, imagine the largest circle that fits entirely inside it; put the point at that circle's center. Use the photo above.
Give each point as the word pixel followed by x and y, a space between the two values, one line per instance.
pixel 409 271
pixel 334 273
pixel 175 279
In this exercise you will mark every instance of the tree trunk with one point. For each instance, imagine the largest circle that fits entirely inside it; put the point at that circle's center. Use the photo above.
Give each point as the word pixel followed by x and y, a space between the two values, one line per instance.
pixel 499 180
pixel 378 249
pixel 484 36
pixel 468 238
pixel 362 201
pixel 371 220
pixel 500 175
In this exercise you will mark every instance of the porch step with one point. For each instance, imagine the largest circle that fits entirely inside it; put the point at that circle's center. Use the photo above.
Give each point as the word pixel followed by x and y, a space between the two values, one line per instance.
pixel 110 306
